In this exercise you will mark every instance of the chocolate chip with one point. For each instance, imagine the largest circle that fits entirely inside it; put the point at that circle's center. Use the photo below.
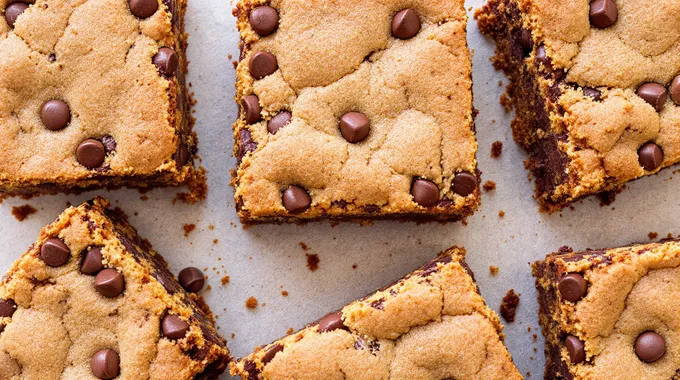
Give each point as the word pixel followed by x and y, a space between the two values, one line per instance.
pixel 354 126
pixel 173 327
pixel 109 143
pixel 91 153
pixel 167 61
pixel 654 94
pixel 650 346
pixel 271 352
pixel 109 283
pixel 674 89
pixel 105 364
pixel 279 121
pixel 264 20
pixel 650 156
pixel 55 114
pixel 247 144
pixel 296 199
pixel 593 93
pixel 406 24
pixel 182 155
pixel 603 13
pixel 54 252
pixel 7 308
pixel 332 321
pixel 191 279
pixel 252 109
pixel 525 40
pixel 143 8
pixel 572 287
pixel 542 56
pixel 13 11
pixel 262 63
pixel 576 349
pixel 464 184
pixel 92 261
pixel 424 192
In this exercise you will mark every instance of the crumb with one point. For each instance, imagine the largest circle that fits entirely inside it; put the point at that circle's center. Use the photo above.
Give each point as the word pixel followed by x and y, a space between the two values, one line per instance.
pixel 501 213
pixel 284 293
pixel 189 228
pixel 251 303
pixel 528 373
pixel 290 331
pixel 233 335
pixel 144 198
pixel 534 337
pixel 500 83
pixel 506 102
pixel 215 241
pixel 208 288
pixel 354 266
pixel 496 149
pixel 652 235
pixel 211 227
pixel 528 328
pixel 312 262
pixel 224 280
pixel 304 246
pixel 493 270
pixel 489 185
pixel 23 212
pixel 509 305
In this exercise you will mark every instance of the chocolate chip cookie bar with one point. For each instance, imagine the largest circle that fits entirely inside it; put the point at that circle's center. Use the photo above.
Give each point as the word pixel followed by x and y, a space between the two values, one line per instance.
pixel 595 87
pixel 611 313
pixel 91 299
pixel 432 324
pixel 354 110
pixel 93 96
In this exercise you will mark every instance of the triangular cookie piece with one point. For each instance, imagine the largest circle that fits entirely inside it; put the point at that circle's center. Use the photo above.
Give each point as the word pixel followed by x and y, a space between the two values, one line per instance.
pixel 91 299
pixel 432 324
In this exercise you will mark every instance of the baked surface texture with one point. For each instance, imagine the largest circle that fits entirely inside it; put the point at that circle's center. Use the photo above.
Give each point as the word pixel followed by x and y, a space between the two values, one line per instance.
pixel 93 96
pixel 432 324
pixel 611 313
pixel 595 87
pixel 60 307
pixel 363 107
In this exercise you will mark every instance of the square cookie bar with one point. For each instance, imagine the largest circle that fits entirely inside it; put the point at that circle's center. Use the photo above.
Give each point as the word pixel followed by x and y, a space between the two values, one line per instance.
pixel 612 313
pixel 93 96
pixel 91 299
pixel 595 87
pixel 354 109
pixel 431 324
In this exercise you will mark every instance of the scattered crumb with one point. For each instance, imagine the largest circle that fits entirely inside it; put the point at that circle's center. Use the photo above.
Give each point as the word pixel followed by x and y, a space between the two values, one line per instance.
pixel 509 305
pixel 496 149
pixel 500 83
pixel 23 212
pixel 211 227
pixel 290 331
pixel 189 228
pixel 501 213
pixel 354 266
pixel 534 337
pixel 208 288
pixel 144 198
pixel 224 280
pixel 312 261
pixel 251 303
pixel 506 102
pixel 215 241
pixel 233 335
pixel 304 246
pixel 528 328
pixel 493 270
pixel 652 235
pixel 489 185
pixel 284 293
pixel 528 373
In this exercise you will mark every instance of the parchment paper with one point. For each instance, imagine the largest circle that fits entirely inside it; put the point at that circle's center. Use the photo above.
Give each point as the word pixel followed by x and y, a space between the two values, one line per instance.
pixel 263 261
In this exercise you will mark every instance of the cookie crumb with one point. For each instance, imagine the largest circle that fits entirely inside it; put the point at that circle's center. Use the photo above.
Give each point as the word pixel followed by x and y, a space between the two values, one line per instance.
pixel 215 241
pixel 284 293
pixel 501 213
pixel 496 149
pixel 211 227
pixel 303 246
pixel 312 261
pixel 224 280
pixel 651 235
pixel 489 185
pixel 509 305
pixel 354 266
pixel 251 303
pixel 290 331
pixel 21 213
pixel 493 270
pixel 506 102
pixel 189 228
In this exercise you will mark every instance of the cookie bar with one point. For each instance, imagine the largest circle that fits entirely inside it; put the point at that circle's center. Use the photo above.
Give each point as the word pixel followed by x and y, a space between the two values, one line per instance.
pixel 432 324
pixel 354 109
pixel 595 87
pixel 611 313
pixel 91 299
pixel 93 96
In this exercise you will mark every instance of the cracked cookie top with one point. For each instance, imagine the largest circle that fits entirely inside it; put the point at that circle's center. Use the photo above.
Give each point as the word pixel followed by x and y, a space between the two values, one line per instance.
pixel 90 299
pixel 346 105
pixel 617 65
pixel 617 310
pixel 383 336
pixel 88 88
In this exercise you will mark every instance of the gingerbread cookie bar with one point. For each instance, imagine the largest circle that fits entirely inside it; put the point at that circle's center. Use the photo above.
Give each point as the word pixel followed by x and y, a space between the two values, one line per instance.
pixel 595 87
pixel 354 110
pixel 611 313
pixel 432 324
pixel 91 299
pixel 93 96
